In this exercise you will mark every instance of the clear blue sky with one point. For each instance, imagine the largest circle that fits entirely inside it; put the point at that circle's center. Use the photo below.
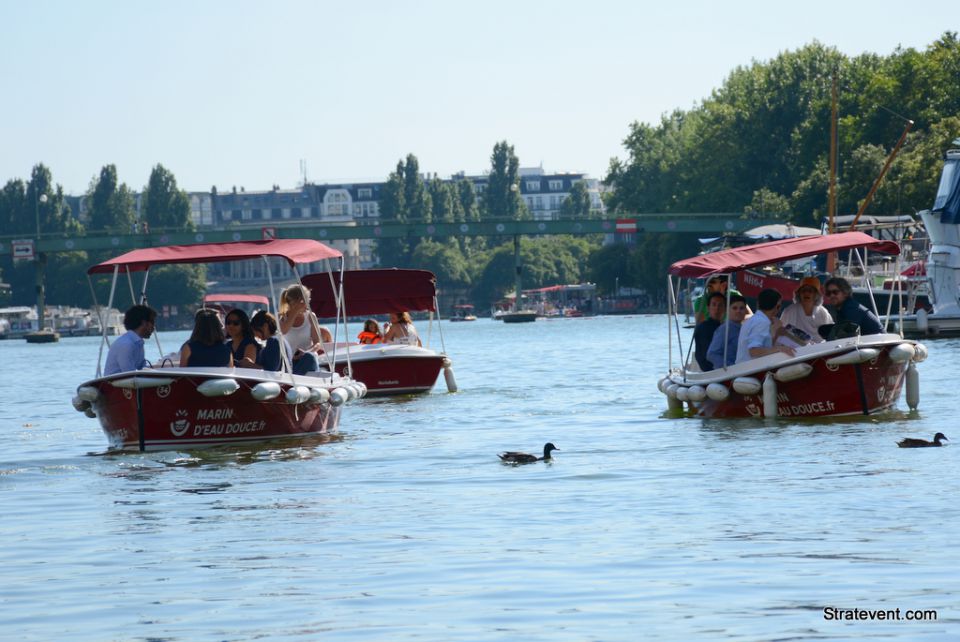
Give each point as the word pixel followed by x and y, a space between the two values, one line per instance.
pixel 237 92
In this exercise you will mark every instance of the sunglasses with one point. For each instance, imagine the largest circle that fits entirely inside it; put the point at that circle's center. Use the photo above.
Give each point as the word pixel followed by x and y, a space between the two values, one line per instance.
pixel 832 292
pixel 232 322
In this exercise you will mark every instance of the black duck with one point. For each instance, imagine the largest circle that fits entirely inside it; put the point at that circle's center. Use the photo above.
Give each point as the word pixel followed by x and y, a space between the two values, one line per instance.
pixel 910 442
pixel 526 458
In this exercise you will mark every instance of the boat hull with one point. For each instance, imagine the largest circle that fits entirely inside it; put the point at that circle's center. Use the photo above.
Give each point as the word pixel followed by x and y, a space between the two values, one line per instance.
pixel 158 410
pixel 828 389
pixel 388 369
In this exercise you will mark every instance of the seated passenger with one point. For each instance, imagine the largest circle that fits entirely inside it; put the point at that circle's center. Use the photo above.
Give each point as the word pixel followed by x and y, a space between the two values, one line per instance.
pixel 127 352
pixel 703 334
pixel 402 330
pixel 240 338
pixel 806 314
pixel 845 309
pixel 206 347
pixel 723 347
pixel 371 332
pixel 300 327
pixel 759 332
pixel 270 358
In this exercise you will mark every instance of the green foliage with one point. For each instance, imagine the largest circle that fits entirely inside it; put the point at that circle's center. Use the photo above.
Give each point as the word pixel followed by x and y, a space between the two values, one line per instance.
pixel 165 207
pixel 764 134
pixel 111 205
pixel 502 199
pixel 766 202
pixel 180 285
pixel 577 204
pixel 445 259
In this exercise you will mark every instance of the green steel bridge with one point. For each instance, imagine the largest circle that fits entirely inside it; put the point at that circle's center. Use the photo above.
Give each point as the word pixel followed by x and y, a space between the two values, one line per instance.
pixel 38 247
pixel 703 224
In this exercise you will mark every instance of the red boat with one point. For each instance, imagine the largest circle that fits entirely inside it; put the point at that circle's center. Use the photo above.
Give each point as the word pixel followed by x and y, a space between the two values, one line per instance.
pixel 166 407
pixel 385 368
pixel 856 375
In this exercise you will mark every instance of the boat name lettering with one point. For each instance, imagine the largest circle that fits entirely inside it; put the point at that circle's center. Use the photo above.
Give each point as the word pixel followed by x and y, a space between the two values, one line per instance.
pixel 753 279
pixel 215 413
pixel 228 429
pixel 806 408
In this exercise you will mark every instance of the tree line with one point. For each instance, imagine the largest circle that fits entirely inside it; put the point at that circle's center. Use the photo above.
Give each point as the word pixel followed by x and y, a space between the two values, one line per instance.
pixel 760 143
pixel 38 206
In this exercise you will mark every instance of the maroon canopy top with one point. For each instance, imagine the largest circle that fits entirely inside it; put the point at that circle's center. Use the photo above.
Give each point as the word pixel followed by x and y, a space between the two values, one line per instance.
pixel 293 250
pixel 373 291
pixel 740 258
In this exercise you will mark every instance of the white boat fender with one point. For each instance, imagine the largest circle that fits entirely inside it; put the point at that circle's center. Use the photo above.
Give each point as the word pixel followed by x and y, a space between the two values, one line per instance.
pixel 672 390
pixel 902 353
pixel 218 387
pixel 913 387
pixel 682 393
pixel 793 372
pixel 923 321
pixel 265 391
pixel 662 384
pixel 696 393
pixel 80 404
pixel 135 383
pixel 351 391
pixel 769 396
pixel 88 393
pixel 363 388
pixel 319 395
pixel 920 353
pixel 90 413
pixel 746 385
pixel 858 355
pixel 448 376
pixel 718 392
pixel 298 394
pixel 338 397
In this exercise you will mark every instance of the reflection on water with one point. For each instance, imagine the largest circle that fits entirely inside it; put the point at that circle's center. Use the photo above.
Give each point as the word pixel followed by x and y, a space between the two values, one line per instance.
pixel 405 525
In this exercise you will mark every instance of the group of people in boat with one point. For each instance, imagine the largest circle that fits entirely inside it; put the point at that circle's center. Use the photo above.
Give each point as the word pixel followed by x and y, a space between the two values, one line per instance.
pixel 244 342
pixel 732 334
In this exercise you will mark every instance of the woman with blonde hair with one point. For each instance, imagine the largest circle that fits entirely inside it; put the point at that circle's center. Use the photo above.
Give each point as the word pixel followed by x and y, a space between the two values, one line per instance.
pixel 300 328
pixel 402 330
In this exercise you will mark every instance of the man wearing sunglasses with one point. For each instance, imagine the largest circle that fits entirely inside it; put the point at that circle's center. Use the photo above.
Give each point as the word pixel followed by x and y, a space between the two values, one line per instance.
pixel 844 308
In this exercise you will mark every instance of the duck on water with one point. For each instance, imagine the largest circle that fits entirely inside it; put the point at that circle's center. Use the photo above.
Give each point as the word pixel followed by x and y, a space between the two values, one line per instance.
pixel 512 457
pixel 911 442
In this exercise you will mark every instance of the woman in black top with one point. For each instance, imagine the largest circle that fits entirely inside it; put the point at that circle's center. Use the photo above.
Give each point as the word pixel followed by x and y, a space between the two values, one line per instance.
pixel 264 326
pixel 240 339
pixel 206 347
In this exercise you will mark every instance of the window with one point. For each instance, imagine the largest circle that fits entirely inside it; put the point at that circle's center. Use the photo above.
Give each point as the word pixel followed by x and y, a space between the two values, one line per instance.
pixel 236 215
pixel 364 193
pixel 275 212
pixel 533 186
pixel 556 186
pixel 296 212
pixel 257 215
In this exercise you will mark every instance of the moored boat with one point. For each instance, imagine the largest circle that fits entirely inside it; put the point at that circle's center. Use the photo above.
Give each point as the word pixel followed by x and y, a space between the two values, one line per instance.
pixel 463 312
pixel 844 376
pixel 385 368
pixel 171 407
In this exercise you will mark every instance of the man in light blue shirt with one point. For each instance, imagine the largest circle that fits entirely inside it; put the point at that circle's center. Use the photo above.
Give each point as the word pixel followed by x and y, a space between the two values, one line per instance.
pixel 759 331
pixel 723 347
pixel 127 353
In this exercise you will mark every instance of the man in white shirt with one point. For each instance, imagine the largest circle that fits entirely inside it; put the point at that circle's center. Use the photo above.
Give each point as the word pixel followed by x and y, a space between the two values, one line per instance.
pixel 127 353
pixel 759 331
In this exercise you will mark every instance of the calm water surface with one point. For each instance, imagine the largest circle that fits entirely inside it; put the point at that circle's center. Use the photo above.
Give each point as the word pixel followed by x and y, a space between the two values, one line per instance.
pixel 405 526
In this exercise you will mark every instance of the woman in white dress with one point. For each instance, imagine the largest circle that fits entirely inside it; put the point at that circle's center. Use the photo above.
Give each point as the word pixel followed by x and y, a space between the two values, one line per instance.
pixel 301 330
pixel 806 314
pixel 402 330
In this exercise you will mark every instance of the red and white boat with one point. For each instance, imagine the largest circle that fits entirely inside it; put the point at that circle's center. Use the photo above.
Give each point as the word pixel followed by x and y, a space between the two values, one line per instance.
pixel 385 368
pixel 167 407
pixel 851 376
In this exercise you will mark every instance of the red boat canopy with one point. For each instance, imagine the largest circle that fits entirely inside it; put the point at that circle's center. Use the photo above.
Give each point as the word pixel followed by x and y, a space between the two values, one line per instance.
pixel 293 250
pixel 740 258
pixel 373 291
pixel 236 298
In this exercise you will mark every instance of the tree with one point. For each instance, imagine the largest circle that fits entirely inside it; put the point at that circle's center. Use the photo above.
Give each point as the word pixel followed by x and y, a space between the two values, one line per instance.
pixel 111 206
pixel 577 203
pixel 766 202
pixel 502 197
pixel 164 205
